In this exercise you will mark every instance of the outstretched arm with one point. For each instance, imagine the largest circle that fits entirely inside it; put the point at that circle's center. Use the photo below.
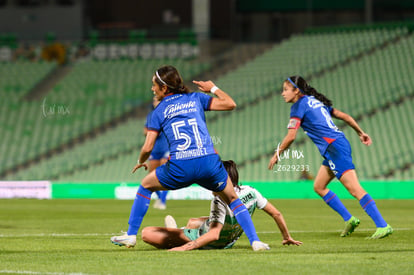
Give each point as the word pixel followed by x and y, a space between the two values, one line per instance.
pixel 364 137
pixel 287 141
pixel 280 221
pixel 223 102
pixel 212 235
pixel 146 150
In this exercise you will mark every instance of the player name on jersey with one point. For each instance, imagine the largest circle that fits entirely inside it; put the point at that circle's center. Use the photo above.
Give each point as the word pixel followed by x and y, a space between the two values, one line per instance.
pixel 191 153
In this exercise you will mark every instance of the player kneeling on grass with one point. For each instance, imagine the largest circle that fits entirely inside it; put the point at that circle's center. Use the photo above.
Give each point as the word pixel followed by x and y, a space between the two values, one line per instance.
pixel 220 229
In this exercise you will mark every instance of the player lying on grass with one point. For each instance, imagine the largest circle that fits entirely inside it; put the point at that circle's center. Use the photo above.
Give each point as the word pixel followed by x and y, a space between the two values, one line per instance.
pixel 220 229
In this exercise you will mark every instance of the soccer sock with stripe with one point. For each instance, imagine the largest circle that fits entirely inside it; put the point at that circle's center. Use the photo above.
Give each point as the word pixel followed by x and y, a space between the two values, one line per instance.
pixel 369 205
pixel 139 209
pixel 336 204
pixel 243 218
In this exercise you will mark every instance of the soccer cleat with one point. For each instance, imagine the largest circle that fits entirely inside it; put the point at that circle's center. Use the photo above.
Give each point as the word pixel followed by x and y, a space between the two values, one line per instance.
pixel 159 205
pixel 259 246
pixel 170 222
pixel 382 232
pixel 350 226
pixel 124 240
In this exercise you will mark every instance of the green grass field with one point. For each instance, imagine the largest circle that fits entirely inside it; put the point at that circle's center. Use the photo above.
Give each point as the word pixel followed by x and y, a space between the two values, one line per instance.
pixel 72 237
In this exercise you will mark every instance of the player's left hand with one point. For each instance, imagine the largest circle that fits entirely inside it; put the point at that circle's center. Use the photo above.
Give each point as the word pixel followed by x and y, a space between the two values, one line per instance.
pixel 291 241
pixel 365 139
pixel 136 167
pixel 178 248
pixel 185 247
pixel 272 162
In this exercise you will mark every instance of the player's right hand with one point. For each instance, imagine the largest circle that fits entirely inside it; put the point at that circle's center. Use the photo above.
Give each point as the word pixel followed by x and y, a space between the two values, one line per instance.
pixel 139 165
pixel 291 241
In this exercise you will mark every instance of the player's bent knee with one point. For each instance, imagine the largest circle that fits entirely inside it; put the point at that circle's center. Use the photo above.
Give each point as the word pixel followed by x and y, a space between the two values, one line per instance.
pixel 147 235
pixel 193 223
pixel 358 194
pixel 320 190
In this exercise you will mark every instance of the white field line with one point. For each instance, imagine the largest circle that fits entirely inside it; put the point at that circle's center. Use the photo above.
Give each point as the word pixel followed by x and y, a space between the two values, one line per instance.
pixel 37 272
pixel 333 231
pixel 112 234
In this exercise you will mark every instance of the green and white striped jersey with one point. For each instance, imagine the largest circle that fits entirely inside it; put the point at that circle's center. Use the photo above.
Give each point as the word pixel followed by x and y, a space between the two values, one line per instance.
pixel 221 212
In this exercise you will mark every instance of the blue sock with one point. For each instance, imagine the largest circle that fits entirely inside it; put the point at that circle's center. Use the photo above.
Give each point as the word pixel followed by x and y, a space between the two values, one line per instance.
pixel 243 218
pixel 163 196
pixel 159 194
pixel 336 204
pixel 369 205
pixel 139 209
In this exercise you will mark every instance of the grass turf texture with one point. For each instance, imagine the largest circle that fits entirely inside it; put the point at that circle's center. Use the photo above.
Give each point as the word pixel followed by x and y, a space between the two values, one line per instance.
pixel 72 236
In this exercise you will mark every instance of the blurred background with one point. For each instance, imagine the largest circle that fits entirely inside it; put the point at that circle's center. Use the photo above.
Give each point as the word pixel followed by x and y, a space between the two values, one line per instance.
pixel 75 81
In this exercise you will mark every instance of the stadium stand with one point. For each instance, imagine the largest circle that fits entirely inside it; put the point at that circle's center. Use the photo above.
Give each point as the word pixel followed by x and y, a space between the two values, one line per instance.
pixel 93 93
pixel 373 68
pixel 16 79
pixel 82 158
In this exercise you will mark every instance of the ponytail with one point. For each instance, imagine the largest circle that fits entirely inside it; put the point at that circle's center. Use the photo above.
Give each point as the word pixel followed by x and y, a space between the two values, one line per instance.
pixel 322 98
pixel 301 84
pixel 182 89
pixel 231 169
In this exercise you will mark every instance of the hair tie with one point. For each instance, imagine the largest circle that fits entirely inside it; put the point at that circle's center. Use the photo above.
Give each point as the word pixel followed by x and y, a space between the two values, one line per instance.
pixel 294 85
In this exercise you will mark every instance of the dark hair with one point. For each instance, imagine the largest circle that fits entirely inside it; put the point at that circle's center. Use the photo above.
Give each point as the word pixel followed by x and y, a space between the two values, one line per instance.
pixel 170 77
pixel 231 169
pixel 305 88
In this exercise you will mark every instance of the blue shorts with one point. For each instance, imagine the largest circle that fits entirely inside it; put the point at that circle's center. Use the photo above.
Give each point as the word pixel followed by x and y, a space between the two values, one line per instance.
pixel 159 155
pixel 207 171
pixel 338 157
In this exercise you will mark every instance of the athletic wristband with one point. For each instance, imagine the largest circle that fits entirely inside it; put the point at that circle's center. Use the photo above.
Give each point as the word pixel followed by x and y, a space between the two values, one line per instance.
pixel 214 89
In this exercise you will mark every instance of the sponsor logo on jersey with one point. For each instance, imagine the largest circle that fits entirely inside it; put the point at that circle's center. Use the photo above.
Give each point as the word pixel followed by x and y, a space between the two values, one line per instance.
pixel 314 103
pixel 246 198
pixel 179 108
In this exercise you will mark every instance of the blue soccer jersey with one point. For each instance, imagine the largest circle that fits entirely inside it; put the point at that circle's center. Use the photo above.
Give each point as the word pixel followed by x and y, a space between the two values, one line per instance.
pixel 315 119
pixel 181 117
pixel 161 144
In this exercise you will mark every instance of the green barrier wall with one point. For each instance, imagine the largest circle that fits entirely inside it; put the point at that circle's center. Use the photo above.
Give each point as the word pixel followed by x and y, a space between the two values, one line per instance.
pixel 271 190
pixel 304 189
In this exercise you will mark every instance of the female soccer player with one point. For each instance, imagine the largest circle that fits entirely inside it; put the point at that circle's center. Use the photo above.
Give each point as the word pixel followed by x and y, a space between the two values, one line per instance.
pixel 180 115
pixel 220 229
pixel 313 112
pixel 159 155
